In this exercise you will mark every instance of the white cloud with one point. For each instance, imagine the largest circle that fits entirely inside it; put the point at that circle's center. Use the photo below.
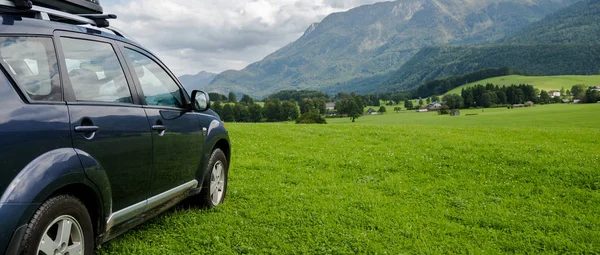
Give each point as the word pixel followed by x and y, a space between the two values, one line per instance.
pixel 216 35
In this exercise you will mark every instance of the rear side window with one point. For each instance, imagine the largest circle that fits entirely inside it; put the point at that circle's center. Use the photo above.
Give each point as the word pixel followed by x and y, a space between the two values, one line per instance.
pixel 32 62
pixel 158 86
pixel 95 72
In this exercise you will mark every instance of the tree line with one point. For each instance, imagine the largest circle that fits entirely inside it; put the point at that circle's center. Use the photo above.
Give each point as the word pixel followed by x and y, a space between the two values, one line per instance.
pixel 492 95
pixel 440 86
pixel 272 111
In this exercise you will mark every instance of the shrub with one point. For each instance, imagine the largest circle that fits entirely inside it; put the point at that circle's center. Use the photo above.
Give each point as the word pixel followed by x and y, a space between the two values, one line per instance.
pixel 445 110
pixel 311 118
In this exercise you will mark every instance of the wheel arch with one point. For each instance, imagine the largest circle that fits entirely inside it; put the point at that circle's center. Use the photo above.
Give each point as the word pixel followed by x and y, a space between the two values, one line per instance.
pixel 90 199
pixel 56 172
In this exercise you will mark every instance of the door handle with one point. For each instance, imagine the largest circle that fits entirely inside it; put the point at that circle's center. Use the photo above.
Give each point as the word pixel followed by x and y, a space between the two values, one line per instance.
pixel 87 129
pixel 159 128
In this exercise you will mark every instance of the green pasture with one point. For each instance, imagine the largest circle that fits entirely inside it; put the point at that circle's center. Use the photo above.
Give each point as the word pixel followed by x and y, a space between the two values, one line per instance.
pixel 553 116
pixel 540 82
pixel 522 181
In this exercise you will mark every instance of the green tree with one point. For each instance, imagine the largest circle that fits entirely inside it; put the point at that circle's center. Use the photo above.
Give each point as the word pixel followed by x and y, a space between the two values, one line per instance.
pixel 232 97
pixel 375 101
pixel 240 111
pixel 227 114
pixel 311 118
pixel 306 105
pixel 562 91
pixel 382 110
pixel 468 98
pixel 290 110
pixel 217 107
pixel 273 111
pixel 486 101
pixel 592 96
pixel 321 105
pixel 445 110
pixel 454 101
pixel 544 97
pixel 408 104
pixel 216 97
pixel 255 113
pixel 435 99
pixel 397 109
pixel 501 97
pixel 350 107
pixel 578 91
pixel 247 99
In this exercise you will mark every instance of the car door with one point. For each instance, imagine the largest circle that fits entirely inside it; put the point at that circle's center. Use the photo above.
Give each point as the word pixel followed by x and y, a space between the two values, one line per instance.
pixel 178 137
pixel 107 121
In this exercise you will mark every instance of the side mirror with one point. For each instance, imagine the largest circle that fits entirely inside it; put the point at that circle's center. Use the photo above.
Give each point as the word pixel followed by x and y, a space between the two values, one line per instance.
pixel 200 100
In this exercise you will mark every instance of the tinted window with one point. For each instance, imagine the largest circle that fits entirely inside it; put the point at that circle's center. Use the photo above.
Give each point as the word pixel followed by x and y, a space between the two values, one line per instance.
pixel 158 87
pixel 32 62
pixel 95 72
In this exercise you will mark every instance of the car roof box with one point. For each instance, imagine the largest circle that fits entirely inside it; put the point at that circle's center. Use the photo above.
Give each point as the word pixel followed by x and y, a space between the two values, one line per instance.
pixel 72 6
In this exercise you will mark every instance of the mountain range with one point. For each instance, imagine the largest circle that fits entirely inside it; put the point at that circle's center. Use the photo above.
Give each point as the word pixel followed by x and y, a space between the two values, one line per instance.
pixel 197 81
pixel 392 46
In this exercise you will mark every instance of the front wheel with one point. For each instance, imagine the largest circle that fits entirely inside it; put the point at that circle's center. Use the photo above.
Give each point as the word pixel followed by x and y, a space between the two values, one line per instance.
pixel 214 187
pixel 61 225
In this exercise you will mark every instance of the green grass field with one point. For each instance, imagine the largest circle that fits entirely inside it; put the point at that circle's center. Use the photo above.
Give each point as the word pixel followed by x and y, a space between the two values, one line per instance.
pixel 541 82
pixel 503 181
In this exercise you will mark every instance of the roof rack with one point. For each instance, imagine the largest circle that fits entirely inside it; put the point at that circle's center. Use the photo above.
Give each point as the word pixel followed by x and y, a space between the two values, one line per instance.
pixel 98 20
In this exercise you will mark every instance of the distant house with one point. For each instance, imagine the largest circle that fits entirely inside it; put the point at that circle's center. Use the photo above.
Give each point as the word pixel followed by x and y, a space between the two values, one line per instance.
pixel 330 106
pixel 518 105
pixel 554 93
pixel 576 101
pixel 566 100
pixel 455 112
pixel 529 103
pixel 596 88
pixel 423 109
pixel 435 106
pixel 371 111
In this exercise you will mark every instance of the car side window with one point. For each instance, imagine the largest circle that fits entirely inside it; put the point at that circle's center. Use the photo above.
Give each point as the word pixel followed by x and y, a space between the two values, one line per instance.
pixel 157 85
pixel 32 62
pixel 95 72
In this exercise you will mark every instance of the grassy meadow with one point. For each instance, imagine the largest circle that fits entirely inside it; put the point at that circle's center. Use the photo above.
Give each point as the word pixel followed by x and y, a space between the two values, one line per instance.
pixel 540 82
pixel 502 181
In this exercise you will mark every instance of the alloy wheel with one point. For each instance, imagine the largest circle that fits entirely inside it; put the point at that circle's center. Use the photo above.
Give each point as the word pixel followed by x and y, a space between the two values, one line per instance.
pixel 63 236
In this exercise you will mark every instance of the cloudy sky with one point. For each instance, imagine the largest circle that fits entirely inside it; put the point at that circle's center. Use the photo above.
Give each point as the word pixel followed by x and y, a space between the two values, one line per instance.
pixel 217 35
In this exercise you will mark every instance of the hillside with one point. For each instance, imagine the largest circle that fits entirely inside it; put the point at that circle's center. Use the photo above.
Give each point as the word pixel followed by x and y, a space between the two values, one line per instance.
pixel 578 23
pixel 544 59
pixel 374 40
pixel 197 81
pixel 565 42
pixel 540 82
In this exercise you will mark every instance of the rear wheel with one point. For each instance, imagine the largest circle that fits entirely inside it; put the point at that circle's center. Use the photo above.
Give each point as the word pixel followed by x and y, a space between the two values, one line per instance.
pixel 214 187
pixel 61 226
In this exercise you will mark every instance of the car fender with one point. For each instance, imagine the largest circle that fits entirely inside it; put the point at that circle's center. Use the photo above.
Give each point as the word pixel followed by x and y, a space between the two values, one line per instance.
pixel 39 179
pixel 215 132
pixel 98 176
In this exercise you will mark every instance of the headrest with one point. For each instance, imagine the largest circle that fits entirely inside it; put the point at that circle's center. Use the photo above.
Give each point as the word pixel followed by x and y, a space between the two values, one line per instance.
pixel 84 77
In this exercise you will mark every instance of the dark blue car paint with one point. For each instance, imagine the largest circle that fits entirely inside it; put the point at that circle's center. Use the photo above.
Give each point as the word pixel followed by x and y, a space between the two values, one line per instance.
pixel 35 139
pixel 122 148
pixel 179 147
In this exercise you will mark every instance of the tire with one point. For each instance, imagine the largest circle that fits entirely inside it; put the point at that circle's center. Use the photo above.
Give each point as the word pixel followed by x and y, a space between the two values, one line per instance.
pixel 54 215
pixel 214 187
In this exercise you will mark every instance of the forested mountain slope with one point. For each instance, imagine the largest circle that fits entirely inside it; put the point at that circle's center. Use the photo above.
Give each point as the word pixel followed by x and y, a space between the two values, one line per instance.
pixel 375 40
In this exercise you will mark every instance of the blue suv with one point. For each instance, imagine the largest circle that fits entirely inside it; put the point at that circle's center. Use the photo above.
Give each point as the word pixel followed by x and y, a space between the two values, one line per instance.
pixel 96 134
